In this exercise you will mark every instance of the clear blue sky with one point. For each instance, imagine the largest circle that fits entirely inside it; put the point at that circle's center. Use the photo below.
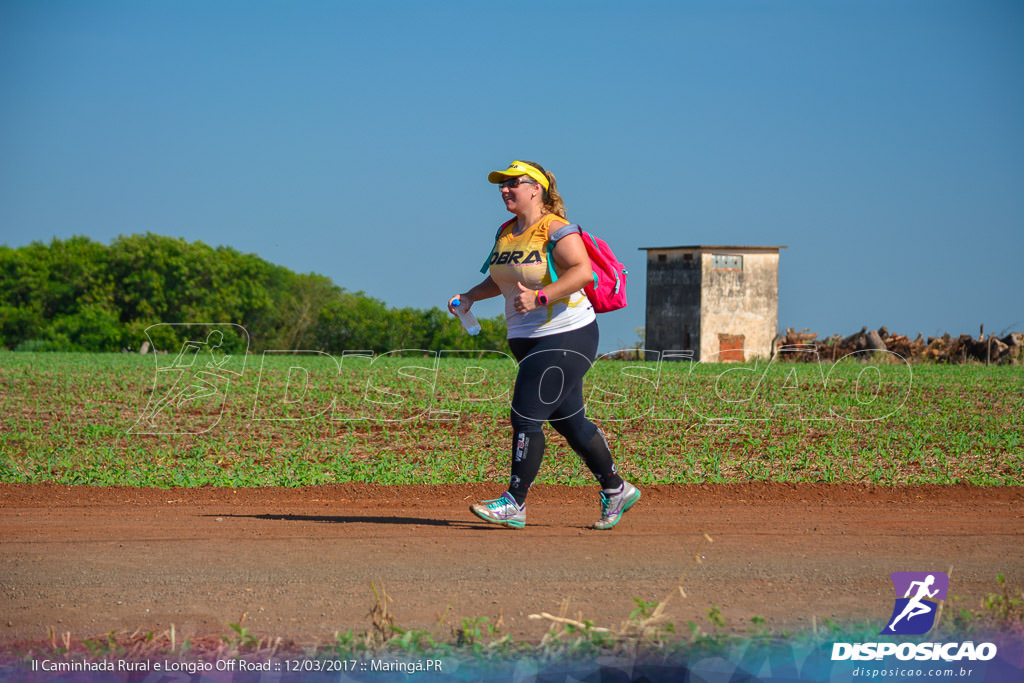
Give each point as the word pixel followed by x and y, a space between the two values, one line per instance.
pixel 883 142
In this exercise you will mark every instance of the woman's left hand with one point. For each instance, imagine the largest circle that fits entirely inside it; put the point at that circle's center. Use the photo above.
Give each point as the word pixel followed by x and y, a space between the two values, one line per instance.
pixel 526 300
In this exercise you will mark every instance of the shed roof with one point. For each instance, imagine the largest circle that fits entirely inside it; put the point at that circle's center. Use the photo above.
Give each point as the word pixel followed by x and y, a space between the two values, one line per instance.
pixel 695 247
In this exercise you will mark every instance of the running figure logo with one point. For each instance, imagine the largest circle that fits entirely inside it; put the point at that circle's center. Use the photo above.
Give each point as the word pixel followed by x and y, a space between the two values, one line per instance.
pixel 914 613
pixel 189 392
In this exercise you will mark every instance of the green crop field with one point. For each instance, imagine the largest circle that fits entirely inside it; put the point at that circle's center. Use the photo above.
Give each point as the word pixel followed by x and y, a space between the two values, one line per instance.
pixel 416 418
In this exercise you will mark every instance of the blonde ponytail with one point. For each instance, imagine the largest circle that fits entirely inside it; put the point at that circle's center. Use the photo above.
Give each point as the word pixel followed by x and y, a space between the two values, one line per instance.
pixel 552 200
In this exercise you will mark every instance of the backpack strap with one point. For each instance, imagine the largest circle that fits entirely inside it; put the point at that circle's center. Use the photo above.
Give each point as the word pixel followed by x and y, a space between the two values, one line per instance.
pixel 554 237
pixel 487 261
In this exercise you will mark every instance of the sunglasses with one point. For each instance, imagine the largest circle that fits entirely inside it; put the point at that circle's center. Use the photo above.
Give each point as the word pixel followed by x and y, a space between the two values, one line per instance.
pixel 517 181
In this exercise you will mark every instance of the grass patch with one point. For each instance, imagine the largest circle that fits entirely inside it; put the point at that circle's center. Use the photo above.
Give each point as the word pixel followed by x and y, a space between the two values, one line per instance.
pixel 106 419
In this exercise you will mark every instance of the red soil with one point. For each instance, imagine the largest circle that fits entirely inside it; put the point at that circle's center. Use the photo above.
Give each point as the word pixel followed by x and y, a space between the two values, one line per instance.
pixel 298 563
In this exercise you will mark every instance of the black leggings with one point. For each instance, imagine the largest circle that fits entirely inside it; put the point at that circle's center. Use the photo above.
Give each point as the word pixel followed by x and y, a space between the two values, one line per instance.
pixel 549 388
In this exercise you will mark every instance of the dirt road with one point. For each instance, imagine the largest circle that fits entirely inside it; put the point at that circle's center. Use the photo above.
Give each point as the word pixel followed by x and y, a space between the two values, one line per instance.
pixel 298 563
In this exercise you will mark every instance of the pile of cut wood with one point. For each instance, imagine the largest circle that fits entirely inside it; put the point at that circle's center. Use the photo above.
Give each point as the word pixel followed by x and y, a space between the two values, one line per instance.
pixel 990 350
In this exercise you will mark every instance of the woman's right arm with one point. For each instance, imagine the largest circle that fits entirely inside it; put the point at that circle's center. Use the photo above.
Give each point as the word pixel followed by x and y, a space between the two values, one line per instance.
pixel 487 289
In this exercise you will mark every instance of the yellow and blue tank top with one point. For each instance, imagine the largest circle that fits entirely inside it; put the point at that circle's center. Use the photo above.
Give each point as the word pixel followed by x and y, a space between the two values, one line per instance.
pixel 524 258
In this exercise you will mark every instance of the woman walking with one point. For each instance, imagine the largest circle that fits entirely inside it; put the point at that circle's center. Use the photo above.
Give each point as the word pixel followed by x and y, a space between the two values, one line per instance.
pixel 553 334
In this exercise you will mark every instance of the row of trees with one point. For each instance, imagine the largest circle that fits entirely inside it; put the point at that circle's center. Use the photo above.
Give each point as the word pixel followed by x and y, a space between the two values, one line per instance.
pixel 81 295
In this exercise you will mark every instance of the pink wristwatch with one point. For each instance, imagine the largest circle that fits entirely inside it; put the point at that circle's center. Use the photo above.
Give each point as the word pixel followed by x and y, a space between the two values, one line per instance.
pixel 542 298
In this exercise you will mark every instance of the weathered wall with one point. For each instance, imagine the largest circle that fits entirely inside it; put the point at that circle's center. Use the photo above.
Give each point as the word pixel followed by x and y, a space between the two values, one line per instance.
pixel 739 302
pixel 673 301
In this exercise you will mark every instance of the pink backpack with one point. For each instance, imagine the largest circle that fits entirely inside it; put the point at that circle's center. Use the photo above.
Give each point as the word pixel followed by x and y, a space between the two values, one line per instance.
pixel 608 291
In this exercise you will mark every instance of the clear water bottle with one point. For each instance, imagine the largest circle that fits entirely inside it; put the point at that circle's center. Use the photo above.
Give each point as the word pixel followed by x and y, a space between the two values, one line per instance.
pixel 469 322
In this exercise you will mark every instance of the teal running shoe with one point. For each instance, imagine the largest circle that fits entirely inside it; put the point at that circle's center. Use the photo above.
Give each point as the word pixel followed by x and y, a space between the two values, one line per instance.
pixel 503 511
pixel 615 503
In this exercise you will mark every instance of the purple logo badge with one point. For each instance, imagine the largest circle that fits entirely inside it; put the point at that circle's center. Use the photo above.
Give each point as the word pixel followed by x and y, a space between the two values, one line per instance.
pixel 918 595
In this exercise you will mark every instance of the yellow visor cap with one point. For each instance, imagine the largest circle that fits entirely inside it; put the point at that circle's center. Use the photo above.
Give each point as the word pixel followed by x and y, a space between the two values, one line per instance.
pixel 518 168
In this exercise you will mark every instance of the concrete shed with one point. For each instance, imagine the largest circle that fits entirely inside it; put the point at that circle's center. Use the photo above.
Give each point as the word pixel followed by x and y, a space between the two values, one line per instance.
pixel 719 302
